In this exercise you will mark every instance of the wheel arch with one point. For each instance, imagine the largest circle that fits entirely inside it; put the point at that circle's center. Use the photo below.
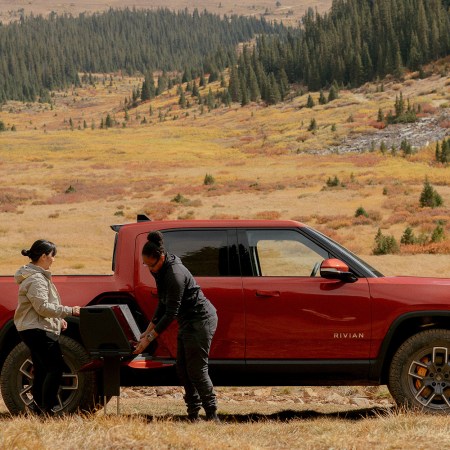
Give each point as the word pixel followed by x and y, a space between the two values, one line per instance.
pixel 401 329
pixel 9 338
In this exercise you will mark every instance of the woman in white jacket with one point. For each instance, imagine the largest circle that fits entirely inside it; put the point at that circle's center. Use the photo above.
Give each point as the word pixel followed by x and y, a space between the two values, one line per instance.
pixel 39 319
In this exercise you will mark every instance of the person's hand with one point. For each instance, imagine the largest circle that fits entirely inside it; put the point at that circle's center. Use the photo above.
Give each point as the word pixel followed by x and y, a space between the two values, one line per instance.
pixel 141 345
pixel 75 310
pixel 150 327
pixel 144 341
pixel 63 325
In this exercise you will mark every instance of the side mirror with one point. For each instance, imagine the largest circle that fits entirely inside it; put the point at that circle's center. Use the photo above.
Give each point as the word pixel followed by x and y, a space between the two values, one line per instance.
pixel 335 269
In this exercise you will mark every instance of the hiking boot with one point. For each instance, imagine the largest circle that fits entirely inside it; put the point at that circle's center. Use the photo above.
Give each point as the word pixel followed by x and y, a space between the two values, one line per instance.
pixel 212 416
pixel 193 417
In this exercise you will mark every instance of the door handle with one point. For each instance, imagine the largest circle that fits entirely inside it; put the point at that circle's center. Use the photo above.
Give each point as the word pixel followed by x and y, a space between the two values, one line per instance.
pixel 267 293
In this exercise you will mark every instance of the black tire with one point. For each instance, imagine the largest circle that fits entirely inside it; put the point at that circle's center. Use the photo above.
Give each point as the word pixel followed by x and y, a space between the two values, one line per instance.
pixel 78 391
pixel 419 375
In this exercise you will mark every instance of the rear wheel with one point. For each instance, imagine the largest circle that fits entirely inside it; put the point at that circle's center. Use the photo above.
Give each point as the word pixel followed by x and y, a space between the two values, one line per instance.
pixel 77 391
pixel 419 376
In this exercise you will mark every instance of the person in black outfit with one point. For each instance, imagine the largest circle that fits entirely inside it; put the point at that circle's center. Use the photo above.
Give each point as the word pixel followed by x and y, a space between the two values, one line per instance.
pixel 181 298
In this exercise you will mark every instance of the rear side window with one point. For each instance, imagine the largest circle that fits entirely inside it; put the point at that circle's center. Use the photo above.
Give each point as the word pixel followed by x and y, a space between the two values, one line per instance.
pixel 203 252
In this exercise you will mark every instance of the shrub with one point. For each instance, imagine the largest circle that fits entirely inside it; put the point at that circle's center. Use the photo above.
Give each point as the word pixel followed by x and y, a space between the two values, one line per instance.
pixel 384 245
pixel 312 125
pixel 208 180
pixel 333 182
pixel 179 198
pixel 438 234
pixel 361 212
pixel 70 189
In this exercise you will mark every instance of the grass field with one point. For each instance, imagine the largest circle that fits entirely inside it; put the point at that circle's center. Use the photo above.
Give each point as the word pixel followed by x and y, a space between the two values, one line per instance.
pixel 146 422
pixel 65 179
pixel 68 180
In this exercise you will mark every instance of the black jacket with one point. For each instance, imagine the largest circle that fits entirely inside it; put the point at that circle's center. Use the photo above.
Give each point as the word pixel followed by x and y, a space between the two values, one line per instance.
pixel 180 297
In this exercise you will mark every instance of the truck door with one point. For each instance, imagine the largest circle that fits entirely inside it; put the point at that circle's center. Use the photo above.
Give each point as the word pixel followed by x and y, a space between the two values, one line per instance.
pixel 211 256
pixel 293 313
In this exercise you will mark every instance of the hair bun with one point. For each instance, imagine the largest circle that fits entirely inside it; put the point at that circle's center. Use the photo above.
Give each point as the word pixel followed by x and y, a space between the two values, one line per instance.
pixel 25 252
pixel 156 238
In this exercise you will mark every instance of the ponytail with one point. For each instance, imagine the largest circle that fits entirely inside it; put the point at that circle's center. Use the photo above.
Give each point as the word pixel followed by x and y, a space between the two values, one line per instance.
pixel 39 248
pixel 154 247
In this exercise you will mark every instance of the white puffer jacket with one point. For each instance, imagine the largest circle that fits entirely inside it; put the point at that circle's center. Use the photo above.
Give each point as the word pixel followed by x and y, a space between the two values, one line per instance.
pixel 39 302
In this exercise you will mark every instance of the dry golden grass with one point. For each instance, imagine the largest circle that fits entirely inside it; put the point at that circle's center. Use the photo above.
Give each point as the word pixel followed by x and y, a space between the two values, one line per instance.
pixel 150 423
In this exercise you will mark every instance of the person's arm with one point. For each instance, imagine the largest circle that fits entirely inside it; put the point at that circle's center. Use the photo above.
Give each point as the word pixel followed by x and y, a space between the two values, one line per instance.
pixel 174 295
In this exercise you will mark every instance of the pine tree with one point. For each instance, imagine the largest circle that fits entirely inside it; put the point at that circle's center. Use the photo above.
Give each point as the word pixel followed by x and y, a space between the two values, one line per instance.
pixel 310 102
pixel 322 99
pixel 408 237
pixel 182 100
pixel 253 85
pixel 109 121
pixel 195 91
pixel 234 85
pixel 334 93
pixel 210 100
pixel 429 197
pixel 312 125
pixel 437 152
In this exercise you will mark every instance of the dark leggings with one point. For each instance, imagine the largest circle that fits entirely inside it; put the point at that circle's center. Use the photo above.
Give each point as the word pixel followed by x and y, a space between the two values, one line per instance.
pixel 48 366
pixel 194 342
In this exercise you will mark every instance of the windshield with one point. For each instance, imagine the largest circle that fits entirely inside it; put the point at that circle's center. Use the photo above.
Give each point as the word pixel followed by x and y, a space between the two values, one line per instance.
pixel 347 252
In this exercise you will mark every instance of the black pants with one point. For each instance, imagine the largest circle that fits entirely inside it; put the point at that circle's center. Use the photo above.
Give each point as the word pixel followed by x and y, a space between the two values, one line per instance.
pixel 48 366
pixel 194 342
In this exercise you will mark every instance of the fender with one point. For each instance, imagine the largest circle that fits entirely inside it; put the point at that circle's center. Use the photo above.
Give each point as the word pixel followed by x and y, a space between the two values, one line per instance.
pixel 9 338
pixel 399 331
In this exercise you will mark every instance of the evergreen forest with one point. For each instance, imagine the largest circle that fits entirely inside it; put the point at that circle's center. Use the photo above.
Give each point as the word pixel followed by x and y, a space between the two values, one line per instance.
pixel 356 41
pixel 41 54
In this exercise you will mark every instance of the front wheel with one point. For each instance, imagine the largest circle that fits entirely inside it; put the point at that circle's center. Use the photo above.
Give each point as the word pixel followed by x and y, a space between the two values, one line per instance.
pixel 419 376
pixel 77 391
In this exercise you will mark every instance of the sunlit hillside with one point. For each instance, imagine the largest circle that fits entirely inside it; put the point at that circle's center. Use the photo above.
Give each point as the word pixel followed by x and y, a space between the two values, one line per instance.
pixel 66 179
pixel 287 12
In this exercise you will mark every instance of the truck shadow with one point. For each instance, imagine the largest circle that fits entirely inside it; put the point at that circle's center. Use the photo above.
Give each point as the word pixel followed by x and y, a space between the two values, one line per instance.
pixel 288 415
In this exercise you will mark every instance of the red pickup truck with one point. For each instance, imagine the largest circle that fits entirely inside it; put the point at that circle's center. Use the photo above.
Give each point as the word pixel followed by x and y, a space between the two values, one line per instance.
pixel 294 307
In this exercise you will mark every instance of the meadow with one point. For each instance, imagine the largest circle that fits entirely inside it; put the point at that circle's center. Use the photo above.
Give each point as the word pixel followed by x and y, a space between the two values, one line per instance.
pixel 247 423
pixel 66 179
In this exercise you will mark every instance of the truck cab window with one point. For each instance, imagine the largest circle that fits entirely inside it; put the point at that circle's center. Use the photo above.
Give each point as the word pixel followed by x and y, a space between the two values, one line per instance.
pixel 203 252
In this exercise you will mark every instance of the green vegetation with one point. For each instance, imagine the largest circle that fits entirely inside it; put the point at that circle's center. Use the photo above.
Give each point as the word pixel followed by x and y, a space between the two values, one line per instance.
pixel 385 245
pixel 333 182
pixel 361 212
pixel 429 196
pixel 38 54
pixel 442 153
pixel 208 180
